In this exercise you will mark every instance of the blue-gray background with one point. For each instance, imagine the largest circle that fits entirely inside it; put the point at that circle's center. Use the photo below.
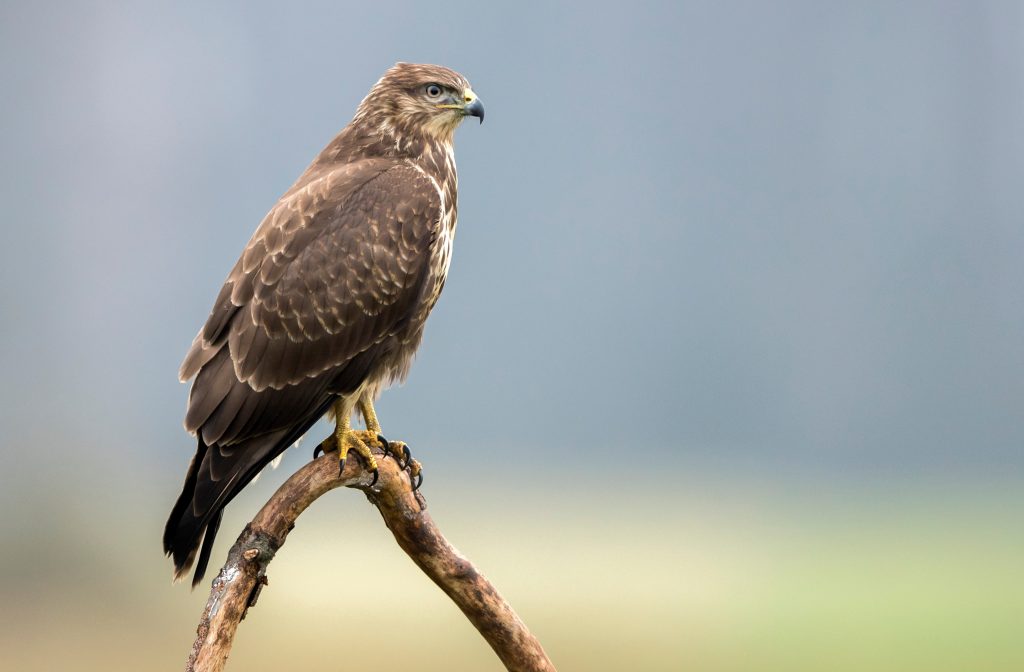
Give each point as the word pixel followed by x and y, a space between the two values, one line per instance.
pixel 770 246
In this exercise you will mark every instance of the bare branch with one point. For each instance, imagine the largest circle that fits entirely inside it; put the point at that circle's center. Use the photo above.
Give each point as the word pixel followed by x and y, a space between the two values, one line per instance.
pixel 243 576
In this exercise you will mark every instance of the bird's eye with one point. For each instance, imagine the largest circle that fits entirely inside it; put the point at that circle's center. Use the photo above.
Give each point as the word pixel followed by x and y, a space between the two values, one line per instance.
pixel 433 91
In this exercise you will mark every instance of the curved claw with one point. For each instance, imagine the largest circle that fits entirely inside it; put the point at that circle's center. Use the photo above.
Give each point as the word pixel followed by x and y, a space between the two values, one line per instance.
pixel 341 466
pixel 326 446
pixel 375 475
pixel 384 443
pixel 419 481
pixel 408 457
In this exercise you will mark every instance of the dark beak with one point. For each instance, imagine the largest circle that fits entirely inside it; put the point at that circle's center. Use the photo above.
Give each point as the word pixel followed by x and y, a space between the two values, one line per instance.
pixel 474 109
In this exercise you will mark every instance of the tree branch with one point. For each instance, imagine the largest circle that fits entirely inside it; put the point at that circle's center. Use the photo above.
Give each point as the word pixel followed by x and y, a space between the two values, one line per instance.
pixel 243 576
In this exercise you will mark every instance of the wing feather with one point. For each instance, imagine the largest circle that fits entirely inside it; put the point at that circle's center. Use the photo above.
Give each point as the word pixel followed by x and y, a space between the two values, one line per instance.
pixel 351 284
pixel 333 270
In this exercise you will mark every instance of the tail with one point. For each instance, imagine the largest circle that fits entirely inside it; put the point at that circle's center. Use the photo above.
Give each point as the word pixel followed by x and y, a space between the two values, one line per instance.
pixel 185 530
pixel 215 475
pixel 246 429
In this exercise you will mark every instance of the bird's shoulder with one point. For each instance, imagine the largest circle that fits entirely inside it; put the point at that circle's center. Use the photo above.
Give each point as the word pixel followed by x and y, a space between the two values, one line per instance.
pixel 331 197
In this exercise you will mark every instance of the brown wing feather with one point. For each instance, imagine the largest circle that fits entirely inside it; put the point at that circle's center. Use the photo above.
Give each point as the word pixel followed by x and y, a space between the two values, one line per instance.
pixel 345 289
pixel 346 259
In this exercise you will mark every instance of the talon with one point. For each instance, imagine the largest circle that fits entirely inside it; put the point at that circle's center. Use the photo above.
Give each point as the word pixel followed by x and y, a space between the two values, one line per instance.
pixel 419 481
pixel 328 445
pixel 365 456
pixel 375 475
pixel 341 466
pixel 408 456
pixel 385 445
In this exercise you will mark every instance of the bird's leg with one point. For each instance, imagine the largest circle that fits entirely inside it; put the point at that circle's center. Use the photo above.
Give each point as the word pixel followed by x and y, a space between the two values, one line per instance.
pixel 399 448
pixel 369 414
pixel 371 435
pixel 345 439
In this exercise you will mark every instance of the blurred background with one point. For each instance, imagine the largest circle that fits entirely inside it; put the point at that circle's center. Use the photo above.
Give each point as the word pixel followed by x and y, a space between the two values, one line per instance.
pixel 728 373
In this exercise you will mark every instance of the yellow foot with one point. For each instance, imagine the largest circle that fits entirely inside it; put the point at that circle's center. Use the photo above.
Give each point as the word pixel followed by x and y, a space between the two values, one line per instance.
pixel 350 440
pixel 404 458
pixel 415 474
pixel 360 442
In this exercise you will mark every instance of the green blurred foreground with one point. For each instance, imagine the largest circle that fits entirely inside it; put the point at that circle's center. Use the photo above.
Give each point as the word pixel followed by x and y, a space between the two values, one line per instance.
pixel 682 577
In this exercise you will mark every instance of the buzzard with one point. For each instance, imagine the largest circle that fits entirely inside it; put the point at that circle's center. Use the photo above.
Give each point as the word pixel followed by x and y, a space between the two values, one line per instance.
pixel 326 305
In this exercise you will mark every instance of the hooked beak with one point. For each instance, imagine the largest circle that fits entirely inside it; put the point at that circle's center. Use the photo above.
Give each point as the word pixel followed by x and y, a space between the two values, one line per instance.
pixel 472 107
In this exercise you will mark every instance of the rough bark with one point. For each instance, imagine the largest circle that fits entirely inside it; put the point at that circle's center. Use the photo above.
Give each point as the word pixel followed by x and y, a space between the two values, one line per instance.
pixel 239 582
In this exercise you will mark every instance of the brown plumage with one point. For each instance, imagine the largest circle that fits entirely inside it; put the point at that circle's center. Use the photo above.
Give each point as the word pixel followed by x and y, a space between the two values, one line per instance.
pixel 328 300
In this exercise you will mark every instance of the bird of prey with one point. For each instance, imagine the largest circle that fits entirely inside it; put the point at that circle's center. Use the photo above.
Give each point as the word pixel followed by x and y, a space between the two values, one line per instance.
pixel 326 305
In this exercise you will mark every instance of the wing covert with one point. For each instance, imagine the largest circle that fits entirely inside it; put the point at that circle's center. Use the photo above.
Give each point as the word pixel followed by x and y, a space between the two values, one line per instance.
pixel 333 269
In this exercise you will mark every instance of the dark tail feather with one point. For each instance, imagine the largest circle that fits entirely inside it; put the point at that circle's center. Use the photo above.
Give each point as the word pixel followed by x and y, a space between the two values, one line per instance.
pixel 196 515
pixel 182 548
pixel 204 554
pixel 192 526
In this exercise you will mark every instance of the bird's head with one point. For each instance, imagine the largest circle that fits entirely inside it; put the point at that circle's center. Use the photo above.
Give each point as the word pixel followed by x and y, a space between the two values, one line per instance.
pixel 413 98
